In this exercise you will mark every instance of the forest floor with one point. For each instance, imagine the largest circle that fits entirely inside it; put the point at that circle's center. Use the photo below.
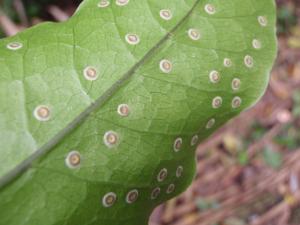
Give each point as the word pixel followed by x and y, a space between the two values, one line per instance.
pixel 249 171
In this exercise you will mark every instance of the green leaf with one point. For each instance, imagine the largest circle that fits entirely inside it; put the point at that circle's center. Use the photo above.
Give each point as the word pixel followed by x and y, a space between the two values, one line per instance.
pixel 272 158
pixel 107 108
pixel 205 204
pixel 296 106
pixel 243 158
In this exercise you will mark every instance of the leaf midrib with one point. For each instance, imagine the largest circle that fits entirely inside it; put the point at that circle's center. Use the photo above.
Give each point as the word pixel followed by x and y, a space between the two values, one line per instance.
pixel 46 148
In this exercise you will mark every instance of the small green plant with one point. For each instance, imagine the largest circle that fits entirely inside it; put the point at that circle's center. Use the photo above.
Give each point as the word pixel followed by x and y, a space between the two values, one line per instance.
pixel 100 115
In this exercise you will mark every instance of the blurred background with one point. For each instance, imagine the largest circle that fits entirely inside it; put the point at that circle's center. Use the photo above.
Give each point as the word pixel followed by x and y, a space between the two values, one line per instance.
pixel 249 171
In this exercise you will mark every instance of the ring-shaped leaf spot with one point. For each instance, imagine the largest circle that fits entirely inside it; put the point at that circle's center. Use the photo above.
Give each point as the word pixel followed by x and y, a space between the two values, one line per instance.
pixel 210 9
pixel 170 188
pixel 210 123
pixel 227 62
pixel 109 199
pixel 162 175
pixel 194 34
pixel 42 113
pixel 103 3
pixel 14 46
pixel 256 44
pixel 249 62
pixel 165 66
pixel 132 196
pixel 123 110
pixel 111 139
pixel 179 171
pixel 122 2
pixel 166 14
pixel 194 140
pixel 132 39
pixel 155 193
pixel 73 160
pixel 214 76
pixel 236 102
pixel 217 102
pixel 262 20
pixel 236 84
pixel 177 144
pixel 90 73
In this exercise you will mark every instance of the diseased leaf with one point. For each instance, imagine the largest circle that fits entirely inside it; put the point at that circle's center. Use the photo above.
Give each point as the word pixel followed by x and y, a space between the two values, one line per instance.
pixel 100 115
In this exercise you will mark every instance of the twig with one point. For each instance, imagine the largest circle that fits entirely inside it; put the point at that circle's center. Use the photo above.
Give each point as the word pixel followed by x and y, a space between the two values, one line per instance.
pixel 8 26
pixel 57 13
pixel 20 9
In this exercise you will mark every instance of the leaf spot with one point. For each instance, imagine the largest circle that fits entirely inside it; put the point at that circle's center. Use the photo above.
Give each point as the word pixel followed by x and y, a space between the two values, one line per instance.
pixel 132 196
pixel 177 144
pixel 227 62
pixel 256 44
pixel 111 139
pixel 236 84
pixel 122 2
pixel 262 20
pixel 73 160
pixel 166 14
pixel 42 113
pixel 194 140
pixel 155 193
pixel 217 102
pixel 162 175
pixel 103 4
pixel 194 34
pixel 90 73
pixel 210 9
pixel 14 46
pixel 170 188
pixel 248 60
pixel 165 66
pixel 214 76
pixel 236 102
pixel 109 199
pixel 179 171
pixel 210 123
pixel 123 110
pixel 132 39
